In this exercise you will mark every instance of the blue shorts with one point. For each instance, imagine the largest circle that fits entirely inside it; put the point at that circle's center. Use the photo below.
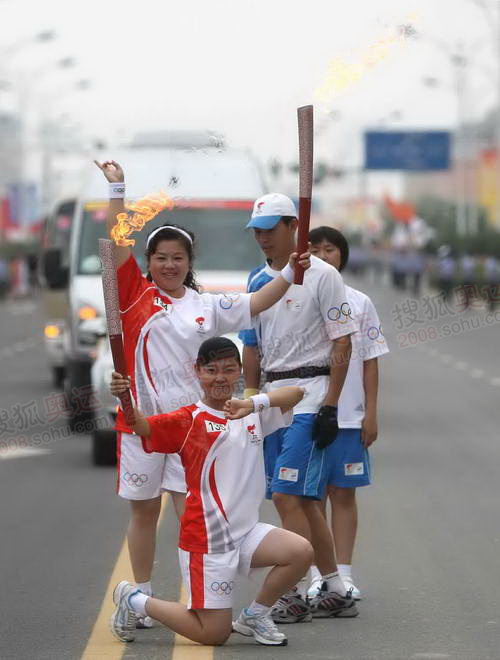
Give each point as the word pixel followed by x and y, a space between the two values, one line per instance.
pixel 348 463
pixel 293 464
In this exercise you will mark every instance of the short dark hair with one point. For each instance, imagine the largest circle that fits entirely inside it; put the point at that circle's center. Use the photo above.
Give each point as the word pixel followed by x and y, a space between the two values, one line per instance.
pixel 333 236
pixel 287 219
pixel 217 348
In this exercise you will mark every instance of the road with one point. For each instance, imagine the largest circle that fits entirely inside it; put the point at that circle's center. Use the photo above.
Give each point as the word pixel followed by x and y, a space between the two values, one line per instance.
pixel 428 547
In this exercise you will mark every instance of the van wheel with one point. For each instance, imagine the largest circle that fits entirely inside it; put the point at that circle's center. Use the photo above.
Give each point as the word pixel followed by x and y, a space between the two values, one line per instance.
pixel 76 387
pixel 104 447
pixel 58 375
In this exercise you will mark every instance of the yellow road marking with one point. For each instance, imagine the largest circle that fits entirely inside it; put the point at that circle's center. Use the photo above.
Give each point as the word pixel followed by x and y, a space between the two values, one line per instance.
pixel 101 642
pixel 184 648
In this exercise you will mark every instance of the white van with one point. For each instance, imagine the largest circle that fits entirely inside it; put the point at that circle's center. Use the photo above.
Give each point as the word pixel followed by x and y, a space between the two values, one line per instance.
pixel 213 190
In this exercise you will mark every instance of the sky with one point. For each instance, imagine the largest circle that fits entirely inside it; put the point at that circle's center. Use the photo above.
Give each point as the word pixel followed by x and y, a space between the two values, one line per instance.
pixel 242 67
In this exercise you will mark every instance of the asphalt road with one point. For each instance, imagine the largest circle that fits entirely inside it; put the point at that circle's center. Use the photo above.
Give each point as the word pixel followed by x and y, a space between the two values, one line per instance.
pixel 428 546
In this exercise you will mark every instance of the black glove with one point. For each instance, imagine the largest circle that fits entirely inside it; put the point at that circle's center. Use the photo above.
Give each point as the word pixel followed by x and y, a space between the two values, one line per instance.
pixel 325 426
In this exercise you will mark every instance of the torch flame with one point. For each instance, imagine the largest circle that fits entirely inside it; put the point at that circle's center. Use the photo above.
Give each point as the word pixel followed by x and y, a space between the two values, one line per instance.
pixel 343 74
pixel 142 211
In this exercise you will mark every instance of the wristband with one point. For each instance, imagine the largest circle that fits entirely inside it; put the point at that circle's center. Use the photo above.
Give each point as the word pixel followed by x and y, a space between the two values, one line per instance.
pixel 117 190
pixel 249 391
pixel 287 274
pixel 260 402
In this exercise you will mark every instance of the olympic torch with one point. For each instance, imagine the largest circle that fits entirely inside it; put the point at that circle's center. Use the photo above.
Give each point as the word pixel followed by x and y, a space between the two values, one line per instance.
pixel 305 121
pixel 112 307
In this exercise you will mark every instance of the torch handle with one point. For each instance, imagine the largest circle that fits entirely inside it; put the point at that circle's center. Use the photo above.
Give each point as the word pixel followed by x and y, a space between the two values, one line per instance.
pixel 112 307
pixel 120 365
pixel 305 123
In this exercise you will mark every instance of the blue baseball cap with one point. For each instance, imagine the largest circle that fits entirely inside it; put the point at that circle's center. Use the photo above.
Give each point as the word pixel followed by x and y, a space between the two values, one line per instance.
pixel 269 209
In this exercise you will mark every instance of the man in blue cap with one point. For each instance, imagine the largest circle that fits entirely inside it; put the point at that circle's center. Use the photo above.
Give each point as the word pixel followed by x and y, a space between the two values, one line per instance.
pixel 304 340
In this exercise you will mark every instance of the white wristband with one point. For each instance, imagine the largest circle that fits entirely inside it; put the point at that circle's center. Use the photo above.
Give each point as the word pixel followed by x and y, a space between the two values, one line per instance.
pixel 260 402
pixel 117 190
pixel 287 274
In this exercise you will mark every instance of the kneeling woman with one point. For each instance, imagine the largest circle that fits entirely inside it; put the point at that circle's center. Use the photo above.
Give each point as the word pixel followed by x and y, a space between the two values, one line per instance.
pixel 219 440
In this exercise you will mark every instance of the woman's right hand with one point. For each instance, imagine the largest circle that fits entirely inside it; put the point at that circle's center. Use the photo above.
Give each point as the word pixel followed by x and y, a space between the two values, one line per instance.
pixel 119 384
pixel 111 170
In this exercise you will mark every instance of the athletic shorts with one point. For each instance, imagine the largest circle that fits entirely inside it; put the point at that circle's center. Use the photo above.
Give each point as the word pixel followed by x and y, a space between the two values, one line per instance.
pixel 210 579
pixel 143 476
pixel 348 461
pixel 293 463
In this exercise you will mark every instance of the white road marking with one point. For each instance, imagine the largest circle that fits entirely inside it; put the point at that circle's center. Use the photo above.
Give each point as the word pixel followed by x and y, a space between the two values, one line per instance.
pixel 495 381
pixel 22 452
pixel 461 365
pixel 477 373
pixel 446 358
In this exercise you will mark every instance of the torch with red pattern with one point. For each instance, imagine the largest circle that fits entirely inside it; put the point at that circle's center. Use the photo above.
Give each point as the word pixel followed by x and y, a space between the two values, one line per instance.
pixel 112 307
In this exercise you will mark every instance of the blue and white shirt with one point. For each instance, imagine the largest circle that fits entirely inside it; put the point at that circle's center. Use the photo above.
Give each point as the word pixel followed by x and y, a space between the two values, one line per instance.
pixel 299 329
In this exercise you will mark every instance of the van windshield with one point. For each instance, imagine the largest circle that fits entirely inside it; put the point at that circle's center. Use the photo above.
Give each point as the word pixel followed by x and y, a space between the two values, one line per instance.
pixel 221 242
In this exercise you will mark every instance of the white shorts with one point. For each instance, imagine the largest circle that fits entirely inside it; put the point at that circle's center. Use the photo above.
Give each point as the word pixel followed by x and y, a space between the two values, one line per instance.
pixel 143 476
pixel 210 578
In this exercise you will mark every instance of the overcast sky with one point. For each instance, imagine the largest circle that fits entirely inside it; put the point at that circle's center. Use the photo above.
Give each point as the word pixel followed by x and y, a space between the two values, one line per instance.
pixel 241 67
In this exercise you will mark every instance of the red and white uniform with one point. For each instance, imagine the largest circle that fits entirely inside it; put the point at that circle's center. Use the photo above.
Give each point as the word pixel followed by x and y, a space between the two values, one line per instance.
pixel 162 336
pixel 225 477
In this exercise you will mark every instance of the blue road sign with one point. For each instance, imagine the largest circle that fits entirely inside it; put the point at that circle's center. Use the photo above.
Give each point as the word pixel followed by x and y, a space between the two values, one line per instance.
pixel 417 151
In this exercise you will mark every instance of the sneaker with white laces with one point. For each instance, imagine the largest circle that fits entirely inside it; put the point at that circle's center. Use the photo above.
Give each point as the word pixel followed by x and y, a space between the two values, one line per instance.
pixel 331 604
pixel 291 608
pixel 142 621
pixel 261 626
pixel 315 587
pixel 122 621
pixel 349 585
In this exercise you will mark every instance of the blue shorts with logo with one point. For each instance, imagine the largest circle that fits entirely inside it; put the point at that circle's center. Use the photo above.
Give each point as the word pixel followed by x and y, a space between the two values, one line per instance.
pixel 293 463
pixel 348 463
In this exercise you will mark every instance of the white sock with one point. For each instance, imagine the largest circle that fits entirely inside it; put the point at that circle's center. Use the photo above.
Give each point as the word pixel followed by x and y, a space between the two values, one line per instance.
pixel 345 570
pixel 334 583
pixel 145 587
pixel 137 602
pixel 301 588
pixel 315 573
pixel 256 609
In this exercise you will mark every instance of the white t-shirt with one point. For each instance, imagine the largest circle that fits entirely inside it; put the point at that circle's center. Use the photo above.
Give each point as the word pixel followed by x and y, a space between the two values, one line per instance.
pixel 298 330
pixel 369 342
pixel 162 336
pixel 224 466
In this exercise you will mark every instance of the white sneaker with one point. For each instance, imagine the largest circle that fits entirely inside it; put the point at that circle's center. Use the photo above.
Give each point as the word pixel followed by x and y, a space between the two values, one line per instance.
pixel 262 627
pixel 349 585
pixel 143 621
pixel 331 604
pixel 122 621
pixel 315 587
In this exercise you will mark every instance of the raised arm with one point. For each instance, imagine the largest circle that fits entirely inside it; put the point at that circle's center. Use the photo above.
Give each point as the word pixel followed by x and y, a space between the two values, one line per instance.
pixel 273 291
pixel 114 174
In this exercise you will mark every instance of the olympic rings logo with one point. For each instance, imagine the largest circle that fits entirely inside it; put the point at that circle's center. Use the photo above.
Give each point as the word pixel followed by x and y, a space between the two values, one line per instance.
pixel 341 314
pixel 221 588
pixel 374 333
pixel 228 300
pixel 136 479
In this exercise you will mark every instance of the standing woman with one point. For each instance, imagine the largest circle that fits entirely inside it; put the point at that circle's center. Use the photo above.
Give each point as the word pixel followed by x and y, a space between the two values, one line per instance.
pixel 165 319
